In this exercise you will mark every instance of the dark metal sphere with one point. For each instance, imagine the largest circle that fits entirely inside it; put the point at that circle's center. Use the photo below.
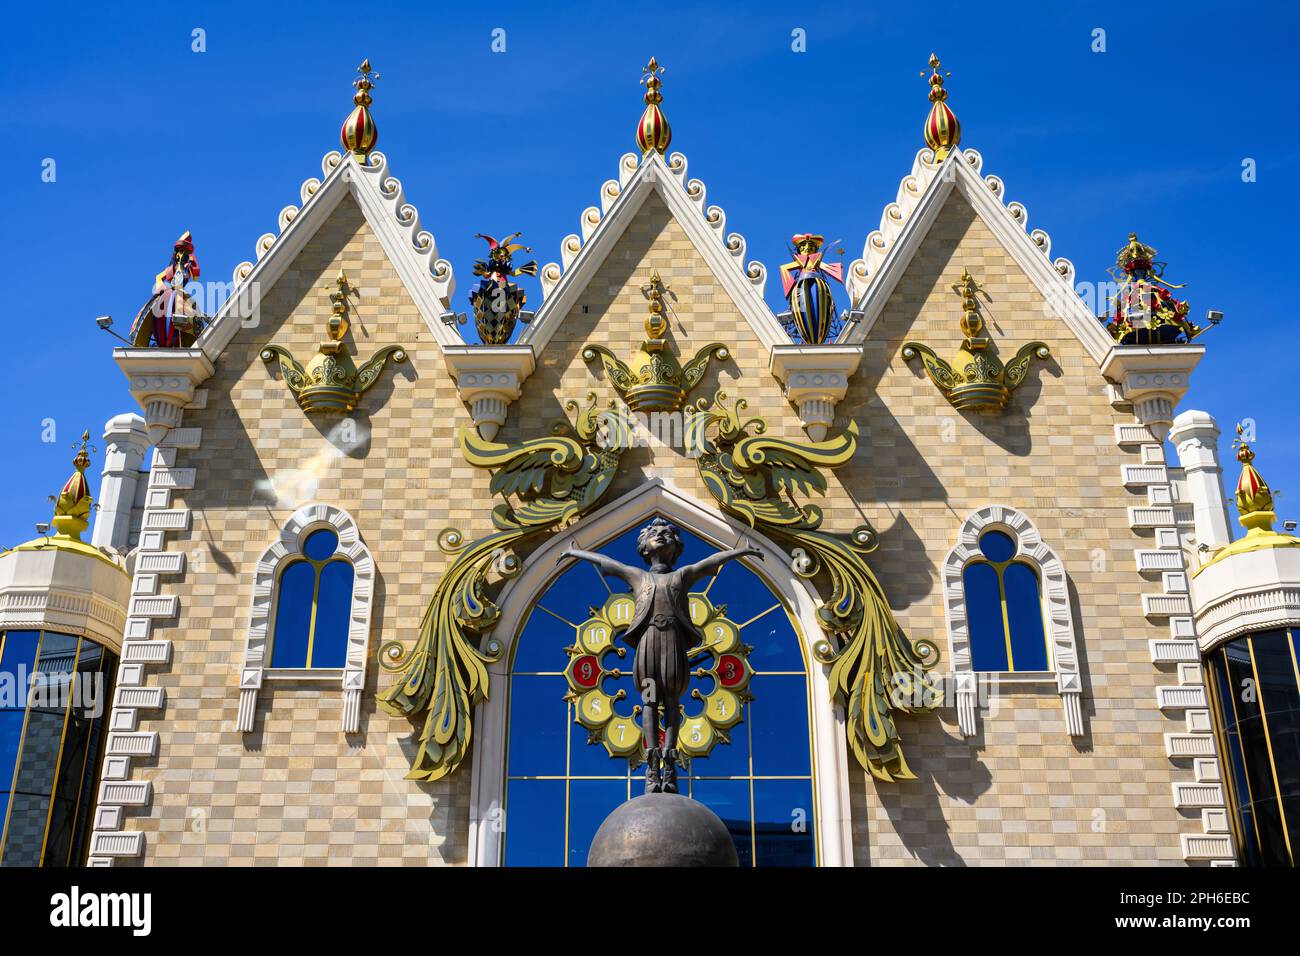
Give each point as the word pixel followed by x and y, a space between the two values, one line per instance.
pixel 662 829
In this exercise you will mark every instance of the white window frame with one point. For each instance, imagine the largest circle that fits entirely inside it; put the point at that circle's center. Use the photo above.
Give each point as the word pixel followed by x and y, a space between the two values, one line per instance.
pixel 256 667
pixel 1058 619
pixel 830 770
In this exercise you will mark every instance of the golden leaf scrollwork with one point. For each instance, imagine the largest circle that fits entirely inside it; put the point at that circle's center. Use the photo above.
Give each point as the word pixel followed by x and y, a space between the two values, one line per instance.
pixel 875 670
pixel 548 483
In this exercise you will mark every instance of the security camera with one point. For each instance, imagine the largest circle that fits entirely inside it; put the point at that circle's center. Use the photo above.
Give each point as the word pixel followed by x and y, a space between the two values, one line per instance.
pixel 42 527
pixel 1213 316
pixel 452 318
pixel 1289 525
pixel 104 322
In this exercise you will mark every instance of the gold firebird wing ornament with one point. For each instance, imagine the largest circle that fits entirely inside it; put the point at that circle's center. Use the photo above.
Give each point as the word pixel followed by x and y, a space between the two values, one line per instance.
pixel 875 669
pixel 548 483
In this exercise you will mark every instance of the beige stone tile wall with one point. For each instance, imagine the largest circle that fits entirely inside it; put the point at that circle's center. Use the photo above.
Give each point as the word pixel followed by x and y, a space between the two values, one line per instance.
pixel 299 791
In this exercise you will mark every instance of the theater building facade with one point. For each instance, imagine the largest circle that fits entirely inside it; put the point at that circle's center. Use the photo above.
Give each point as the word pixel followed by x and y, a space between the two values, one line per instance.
pixel 972 630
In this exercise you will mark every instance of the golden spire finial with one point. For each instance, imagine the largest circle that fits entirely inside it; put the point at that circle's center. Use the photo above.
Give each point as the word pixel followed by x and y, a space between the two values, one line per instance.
pixel 1254 497
pixel 656 323
pixel 359 134
pixel 653 134
pixel 72 505
pixel 337 325
pixel 942 131
pixel 972 323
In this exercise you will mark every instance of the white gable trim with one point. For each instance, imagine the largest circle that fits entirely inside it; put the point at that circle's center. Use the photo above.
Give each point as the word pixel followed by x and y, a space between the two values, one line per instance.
pixel 601 229
pixel 888 251
pixel 396 223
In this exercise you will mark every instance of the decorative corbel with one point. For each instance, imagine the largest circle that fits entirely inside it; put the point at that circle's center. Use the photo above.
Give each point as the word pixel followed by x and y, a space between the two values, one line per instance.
pixel 163 381
pixel 1153 379
pixel 816 378
pixel 488 378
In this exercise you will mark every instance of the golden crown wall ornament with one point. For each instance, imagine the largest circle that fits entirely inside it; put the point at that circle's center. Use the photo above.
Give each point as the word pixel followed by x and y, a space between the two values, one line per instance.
pixel 655 381
pixel 976 380
pixel 331 381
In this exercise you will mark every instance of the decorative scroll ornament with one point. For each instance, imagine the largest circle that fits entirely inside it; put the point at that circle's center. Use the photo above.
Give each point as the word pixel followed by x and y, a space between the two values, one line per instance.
pixel 875 670
pixel 976 380
pixel 805 282
pixel 722 656
pixel 548 483
pixel 359 134
pixel 942 131
pixel 171 319
pixel 331 381
pixel 497 301
pixel 1144 310
pixel 653 134
pixel 655 381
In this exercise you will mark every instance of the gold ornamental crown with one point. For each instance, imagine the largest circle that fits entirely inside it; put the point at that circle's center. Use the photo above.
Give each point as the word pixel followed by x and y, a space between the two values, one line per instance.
pixel 656 380
pixel 976 379
pixel 331 381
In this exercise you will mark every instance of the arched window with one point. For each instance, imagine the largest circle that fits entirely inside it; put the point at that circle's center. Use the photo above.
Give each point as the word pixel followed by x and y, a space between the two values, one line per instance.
pixel 310 614
pixel 1009 615
pixel 313 605
pixel 1004 604
pixel 560 785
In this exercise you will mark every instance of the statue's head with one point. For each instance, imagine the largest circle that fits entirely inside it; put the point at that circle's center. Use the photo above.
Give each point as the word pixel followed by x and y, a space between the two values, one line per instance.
pixel 659 543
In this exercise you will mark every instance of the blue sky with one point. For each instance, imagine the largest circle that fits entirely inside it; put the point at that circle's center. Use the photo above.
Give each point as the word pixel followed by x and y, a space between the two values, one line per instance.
pixel 151 138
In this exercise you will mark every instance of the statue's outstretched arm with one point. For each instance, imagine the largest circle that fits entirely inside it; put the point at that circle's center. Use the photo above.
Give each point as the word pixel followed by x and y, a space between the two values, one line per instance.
pixel 609 566
pixel 711 564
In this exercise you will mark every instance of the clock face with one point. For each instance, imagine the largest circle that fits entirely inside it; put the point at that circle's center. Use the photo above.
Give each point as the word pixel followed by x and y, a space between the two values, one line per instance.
pixel 606 700
pixel 560 784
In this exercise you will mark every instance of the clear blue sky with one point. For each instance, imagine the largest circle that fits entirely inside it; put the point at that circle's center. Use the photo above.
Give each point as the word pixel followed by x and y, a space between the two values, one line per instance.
pixel 151 138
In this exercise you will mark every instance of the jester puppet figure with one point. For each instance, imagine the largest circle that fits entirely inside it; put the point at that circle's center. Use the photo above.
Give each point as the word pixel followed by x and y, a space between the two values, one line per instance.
pixel 804 280
pixel 171 319
pixel 496 300
pixel 661 633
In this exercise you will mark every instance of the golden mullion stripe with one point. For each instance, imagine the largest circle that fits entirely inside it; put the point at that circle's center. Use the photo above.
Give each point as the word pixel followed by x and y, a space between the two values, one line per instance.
pixel 22 741
pixel 58 760
pixel 1268 743
pixel 1245 764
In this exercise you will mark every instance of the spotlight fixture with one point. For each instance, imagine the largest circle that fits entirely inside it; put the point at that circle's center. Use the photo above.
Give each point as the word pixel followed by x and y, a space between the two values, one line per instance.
pixel 105 322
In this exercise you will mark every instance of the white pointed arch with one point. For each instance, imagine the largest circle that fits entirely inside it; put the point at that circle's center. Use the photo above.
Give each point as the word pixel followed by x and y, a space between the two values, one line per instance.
pixel 1058 618
pixel 261 615
pixel 833 830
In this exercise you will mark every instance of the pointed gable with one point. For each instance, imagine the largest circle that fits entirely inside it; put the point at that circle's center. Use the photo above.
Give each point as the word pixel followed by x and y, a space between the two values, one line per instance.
pixel 905 223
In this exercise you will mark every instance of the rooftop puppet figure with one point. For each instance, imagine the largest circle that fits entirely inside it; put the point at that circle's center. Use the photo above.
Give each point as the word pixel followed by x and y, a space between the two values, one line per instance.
pixel 661 633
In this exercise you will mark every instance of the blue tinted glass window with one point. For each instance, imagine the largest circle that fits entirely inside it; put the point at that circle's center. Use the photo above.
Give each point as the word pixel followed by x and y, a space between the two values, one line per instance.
pixel 560 786
pixel 988 642
pixel 320 545
pixel 997 546
pixel 293 615
pixel 329 647
pixel 1025 615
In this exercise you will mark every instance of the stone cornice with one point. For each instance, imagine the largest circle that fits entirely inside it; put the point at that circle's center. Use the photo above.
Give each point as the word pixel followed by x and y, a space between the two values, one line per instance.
pixel 163 382
pixel 816 378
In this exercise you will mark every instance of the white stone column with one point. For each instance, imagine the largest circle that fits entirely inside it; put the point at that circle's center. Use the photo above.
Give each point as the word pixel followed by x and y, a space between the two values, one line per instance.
pixel 126 443
pixel 1195 435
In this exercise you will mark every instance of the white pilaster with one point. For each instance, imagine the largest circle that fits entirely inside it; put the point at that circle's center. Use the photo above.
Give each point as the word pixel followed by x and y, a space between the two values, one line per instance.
pixel 126 442
pixel 1196 437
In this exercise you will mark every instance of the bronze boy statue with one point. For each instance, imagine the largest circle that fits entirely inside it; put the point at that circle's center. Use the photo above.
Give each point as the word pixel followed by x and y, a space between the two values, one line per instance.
pixel 661 633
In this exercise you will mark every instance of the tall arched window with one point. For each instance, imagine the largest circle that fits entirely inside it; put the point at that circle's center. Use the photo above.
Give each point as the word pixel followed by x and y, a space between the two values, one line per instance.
pixel 560 786
pixel 1007 599
pixel 313 606
pixel 309 619
pixel 1004 604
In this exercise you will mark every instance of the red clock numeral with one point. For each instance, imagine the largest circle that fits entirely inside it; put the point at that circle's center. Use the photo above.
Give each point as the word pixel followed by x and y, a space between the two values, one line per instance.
pixel 586 671
pixel 731 670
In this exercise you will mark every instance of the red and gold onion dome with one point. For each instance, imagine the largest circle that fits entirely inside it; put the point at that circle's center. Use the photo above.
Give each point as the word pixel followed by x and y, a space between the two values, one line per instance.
pixel 653 134
pixel 942 131
pixel 72 506
pixel 359 133
pixel 1254 497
